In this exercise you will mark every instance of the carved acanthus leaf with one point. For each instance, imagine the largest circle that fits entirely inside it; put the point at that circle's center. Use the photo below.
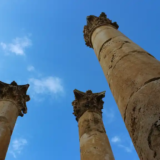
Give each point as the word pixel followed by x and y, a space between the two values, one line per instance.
pixel 15 93
pixel 94 22
pixel 87 101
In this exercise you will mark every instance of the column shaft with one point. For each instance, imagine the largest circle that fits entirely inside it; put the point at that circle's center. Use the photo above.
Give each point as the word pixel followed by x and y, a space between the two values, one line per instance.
pixel 133 76
pixel 12 104
pixel 130 71
pixel 94 143
pixel 8 116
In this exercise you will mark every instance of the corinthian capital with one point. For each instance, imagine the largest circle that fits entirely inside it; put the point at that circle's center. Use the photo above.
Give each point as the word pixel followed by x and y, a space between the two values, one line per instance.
pixel 94 22
pixel 15 93
pixel 87 101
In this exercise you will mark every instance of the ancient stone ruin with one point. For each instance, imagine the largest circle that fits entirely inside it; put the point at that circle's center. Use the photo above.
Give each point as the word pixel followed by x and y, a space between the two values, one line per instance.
pixel 133 76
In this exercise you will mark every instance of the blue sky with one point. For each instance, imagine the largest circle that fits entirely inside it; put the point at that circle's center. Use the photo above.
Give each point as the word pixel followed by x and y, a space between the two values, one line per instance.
pixel 41 43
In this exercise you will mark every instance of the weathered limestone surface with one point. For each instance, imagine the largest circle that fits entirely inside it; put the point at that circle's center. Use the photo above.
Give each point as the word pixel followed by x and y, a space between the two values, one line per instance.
pixel 94 143
pixel 142 120
pixel 133 76
pixel 12 104
pixel 8 116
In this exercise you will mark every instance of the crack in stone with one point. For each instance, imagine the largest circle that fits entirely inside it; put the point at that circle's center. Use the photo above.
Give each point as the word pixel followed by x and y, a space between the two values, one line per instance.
pixel 149 81
pixel 149 136
pixel 153 79
pixel 123 42
pixel 103 46
pixel 118 49
pixel 149 139
pixel 129 53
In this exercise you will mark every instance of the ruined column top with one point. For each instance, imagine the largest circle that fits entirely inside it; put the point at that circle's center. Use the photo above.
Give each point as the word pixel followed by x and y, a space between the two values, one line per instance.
pixel 15 93
pixel 94 22
pixel 87 102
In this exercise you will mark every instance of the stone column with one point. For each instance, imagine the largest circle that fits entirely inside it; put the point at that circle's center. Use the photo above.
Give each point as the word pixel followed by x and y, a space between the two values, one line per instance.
pixel 12 104
pixel 94 143
pixel 133 76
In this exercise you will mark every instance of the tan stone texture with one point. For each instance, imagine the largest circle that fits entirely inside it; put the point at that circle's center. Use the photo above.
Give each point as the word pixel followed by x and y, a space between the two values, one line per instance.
pixel 94 143
pixel 12 104
pixel 142 120
pixel 126 66
pixel 133 77
pixel 8 116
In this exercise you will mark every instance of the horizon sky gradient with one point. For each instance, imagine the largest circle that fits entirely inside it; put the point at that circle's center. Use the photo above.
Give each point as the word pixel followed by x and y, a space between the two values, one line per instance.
pixel 42 44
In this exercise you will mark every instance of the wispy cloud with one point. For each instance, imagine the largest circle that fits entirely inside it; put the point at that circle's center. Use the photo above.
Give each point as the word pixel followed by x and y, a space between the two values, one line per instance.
pixel 122 144
pixel 126 148
pixel 17 46
pixel 30 68
pixel 17 146
pixel 51 85
pixel 115 139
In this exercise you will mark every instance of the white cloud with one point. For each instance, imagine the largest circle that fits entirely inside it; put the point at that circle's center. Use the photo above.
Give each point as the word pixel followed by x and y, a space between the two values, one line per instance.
pixel 17 46
pixel 115 139
pixel 51 85
pixel 30 68
pixel 120 143
pixel 17 146
pixel 127 149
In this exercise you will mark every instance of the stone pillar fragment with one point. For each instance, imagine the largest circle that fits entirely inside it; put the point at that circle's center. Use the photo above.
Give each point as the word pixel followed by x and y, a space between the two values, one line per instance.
pixel 12 104
pixel 94 143
pixel 133 76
